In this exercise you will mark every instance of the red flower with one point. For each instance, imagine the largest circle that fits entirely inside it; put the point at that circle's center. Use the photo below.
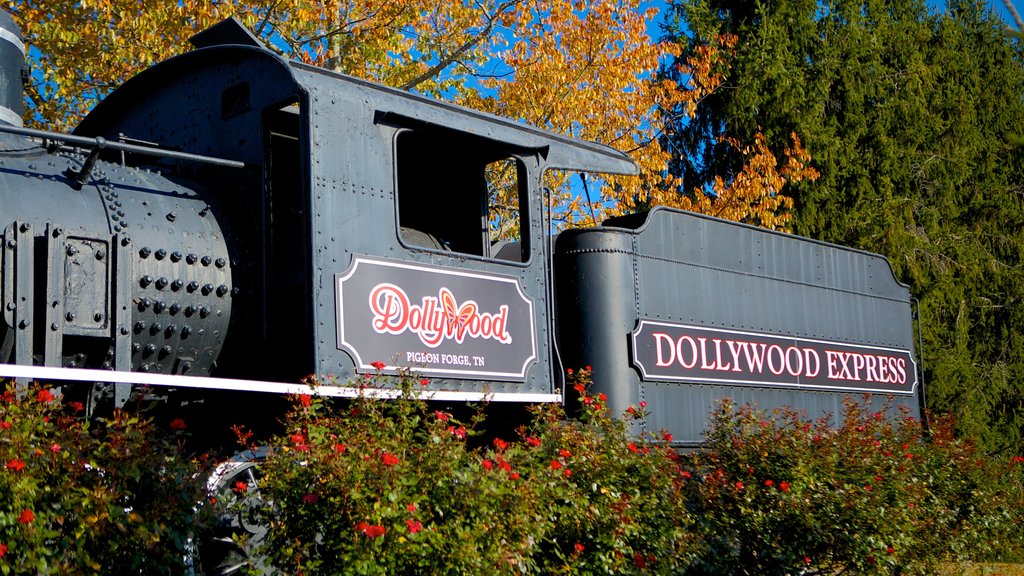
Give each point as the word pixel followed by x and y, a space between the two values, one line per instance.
pixel 643 404
pixel 305 400
pixel 298 439
pixel 807 560
pixel 441 416
pixel 567 473
pixel 514 476
pixel 414 525
pixel 76 406
pixel 784 486
pixel 389 459
pixel 568 371
pixel 487 464
pixel 739 486
pixel 459 432
pixel 55 448
pixel 588 400
pixel 533 441
pixel 578 547
pixel 769 483
pixel 4 425
pixel 564 453
pixel 630 410
pixel 1017 459
pixel 374 531
pixel 378 365
pixel 687 475
pixel 241 487
pixel 555 464
pixel 27 516
pixel 44 396
pixel 3 550
pixel 411 507
pixel 632 447
pixel 16 465
pixel 310 498
pixel 500 444
pixel 602 397
pixel 340 448
pixel 667 436
pixel 361 527
pixel 177 425
pixel 588 368
pixel 424 382
pixel 890 550
pixel 638 559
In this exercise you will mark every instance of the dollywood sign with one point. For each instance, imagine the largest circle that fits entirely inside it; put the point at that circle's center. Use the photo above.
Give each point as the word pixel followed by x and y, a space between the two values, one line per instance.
pixel 685 353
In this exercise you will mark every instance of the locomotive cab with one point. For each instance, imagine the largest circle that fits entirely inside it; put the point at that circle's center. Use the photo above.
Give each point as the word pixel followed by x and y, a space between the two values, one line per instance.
pixel 370 229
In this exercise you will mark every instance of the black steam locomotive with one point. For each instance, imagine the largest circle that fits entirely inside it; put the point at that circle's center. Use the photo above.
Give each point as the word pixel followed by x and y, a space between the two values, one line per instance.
pixel 229 221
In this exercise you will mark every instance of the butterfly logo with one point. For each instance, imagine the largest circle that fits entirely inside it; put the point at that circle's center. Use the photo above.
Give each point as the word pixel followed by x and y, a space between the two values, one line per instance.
pixel 456 318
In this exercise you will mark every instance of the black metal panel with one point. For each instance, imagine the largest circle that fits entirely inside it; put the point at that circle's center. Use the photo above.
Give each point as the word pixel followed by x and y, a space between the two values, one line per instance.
pixel 681 269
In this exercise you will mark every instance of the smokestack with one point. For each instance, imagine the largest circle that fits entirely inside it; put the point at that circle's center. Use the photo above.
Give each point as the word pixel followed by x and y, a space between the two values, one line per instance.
pixel 12 62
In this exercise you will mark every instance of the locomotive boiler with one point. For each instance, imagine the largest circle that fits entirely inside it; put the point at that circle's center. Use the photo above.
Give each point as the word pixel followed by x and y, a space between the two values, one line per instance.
pixel 228 222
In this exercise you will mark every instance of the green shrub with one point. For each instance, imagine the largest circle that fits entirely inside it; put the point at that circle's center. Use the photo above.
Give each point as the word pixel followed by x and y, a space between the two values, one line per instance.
pixel 113 496
pixel 393 487
pixel 876 495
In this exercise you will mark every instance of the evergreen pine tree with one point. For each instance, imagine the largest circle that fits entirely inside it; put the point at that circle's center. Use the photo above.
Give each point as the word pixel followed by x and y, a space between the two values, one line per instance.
pixel 910 116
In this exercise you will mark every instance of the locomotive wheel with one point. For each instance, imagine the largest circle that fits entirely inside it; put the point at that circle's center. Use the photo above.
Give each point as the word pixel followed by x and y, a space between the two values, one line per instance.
pixel 239 528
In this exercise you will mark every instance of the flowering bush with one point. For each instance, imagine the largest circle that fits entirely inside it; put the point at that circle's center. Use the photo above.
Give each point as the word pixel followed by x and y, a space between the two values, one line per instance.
pixel 111 496
pixel 877 495
pixel 395 487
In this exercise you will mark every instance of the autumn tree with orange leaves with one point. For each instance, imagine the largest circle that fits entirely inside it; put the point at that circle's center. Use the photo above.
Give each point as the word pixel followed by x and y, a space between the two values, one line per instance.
pixel 586 69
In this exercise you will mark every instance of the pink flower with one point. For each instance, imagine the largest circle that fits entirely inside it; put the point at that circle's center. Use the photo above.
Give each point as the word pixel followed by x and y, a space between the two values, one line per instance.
pixel 414 525
pixel 378 365
pixel 55 448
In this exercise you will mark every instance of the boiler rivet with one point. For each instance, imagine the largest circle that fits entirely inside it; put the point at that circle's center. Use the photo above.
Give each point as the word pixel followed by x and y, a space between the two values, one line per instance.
pixel 145 252
pixel 70 316
pixel 206 260
pixel 161 254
